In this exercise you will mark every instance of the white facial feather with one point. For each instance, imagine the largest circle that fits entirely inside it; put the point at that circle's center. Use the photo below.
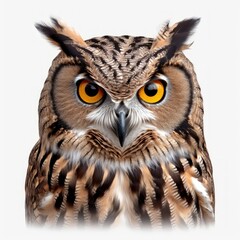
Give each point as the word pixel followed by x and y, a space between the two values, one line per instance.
pixel 104 115
pixel 104 119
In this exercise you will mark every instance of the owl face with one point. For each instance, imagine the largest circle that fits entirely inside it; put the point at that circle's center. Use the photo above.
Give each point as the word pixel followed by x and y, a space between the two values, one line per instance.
pixel 119 87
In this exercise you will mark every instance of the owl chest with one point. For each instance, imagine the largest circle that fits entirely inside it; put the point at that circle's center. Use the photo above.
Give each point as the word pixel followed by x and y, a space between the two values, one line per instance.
pixel 96 194
pixel 91 194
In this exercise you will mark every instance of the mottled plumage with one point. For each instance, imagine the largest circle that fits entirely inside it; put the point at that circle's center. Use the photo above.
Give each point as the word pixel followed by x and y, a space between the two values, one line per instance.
pixel 124 158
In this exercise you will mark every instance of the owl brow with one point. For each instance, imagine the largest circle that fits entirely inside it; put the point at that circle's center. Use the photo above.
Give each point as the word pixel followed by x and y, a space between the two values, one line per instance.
pixel 154 61
pixel 80 76
pixel 85 53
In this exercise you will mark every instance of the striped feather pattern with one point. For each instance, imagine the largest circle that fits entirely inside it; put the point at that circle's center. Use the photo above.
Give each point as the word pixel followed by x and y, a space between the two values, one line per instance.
pixel 161 192
pixel 78 176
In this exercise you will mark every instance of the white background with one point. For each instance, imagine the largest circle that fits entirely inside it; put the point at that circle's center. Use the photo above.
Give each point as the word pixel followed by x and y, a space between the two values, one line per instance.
pixel 26 57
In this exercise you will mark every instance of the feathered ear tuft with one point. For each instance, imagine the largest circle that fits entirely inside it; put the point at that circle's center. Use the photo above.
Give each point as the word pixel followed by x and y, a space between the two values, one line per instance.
pixel 62 36
pixel 176 35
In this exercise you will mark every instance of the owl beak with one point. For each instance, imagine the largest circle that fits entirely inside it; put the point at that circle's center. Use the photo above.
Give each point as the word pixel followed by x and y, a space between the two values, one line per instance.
pixel 121 113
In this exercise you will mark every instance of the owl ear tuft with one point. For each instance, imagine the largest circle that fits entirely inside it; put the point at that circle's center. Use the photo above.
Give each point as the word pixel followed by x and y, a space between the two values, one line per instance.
pixel 63 36
pixel 175 36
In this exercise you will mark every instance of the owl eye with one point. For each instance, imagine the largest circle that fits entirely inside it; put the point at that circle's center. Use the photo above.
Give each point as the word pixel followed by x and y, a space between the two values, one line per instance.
pixel 153 91
pixel 89 92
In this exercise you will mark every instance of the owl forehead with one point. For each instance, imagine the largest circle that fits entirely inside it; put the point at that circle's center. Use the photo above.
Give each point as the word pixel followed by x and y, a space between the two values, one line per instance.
pixel 116 63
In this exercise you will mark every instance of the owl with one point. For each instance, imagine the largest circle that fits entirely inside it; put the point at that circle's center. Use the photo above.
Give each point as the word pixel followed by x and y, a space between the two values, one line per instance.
pixel 121 134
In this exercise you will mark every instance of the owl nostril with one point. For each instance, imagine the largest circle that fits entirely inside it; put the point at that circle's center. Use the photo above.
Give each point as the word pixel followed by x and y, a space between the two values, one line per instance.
pixel 122 109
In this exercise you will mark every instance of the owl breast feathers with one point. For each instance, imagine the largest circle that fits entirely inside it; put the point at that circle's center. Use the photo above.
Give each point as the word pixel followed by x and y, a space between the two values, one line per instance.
pixel 121 134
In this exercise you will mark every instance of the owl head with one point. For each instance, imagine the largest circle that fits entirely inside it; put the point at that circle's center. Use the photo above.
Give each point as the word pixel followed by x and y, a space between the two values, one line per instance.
pixel 118 94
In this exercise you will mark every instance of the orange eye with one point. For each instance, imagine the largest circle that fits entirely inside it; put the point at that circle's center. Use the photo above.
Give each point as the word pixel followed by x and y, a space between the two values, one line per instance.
pixel 152 92
pixel 89 92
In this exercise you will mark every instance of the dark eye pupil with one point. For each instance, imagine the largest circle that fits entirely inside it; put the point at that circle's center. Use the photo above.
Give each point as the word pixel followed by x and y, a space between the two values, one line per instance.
pixel 150 89
pixel 91 89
